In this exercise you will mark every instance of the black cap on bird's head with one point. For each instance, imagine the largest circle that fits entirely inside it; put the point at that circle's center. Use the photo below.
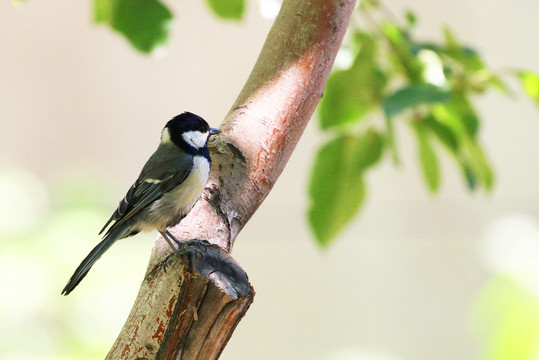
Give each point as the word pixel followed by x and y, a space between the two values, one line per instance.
pixel 188 130
pixel 187 122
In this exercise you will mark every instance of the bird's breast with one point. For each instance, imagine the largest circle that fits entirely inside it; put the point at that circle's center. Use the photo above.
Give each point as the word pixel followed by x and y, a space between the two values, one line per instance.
pixel 187 193
pixel 180 200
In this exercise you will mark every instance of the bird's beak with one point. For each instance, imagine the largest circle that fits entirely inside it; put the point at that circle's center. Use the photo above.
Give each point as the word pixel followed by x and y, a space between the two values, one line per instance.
pixel 214 131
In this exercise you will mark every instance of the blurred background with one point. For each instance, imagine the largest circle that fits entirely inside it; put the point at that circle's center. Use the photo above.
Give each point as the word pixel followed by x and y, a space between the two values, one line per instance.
pixel 455 276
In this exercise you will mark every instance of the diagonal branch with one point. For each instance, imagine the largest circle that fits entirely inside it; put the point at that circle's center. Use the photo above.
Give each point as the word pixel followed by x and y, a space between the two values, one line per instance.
pixel 179 314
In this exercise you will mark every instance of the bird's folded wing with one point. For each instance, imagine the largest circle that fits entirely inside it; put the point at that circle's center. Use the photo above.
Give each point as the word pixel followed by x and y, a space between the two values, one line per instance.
pixel 157 177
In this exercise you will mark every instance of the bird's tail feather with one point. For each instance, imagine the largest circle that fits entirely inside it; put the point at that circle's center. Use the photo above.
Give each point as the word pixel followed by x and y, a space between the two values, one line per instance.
pixel 89 261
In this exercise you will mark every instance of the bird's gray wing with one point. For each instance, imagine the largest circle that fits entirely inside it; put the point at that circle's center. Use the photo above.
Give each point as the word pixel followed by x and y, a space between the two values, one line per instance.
pixel 166 169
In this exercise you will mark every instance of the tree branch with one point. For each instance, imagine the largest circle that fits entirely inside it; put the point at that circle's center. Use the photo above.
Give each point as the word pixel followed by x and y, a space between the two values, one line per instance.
pixel 180 314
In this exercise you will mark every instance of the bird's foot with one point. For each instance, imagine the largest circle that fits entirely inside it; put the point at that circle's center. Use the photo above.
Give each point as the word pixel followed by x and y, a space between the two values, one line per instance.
pixel 187 249
pixel 192 247
pixel 211 194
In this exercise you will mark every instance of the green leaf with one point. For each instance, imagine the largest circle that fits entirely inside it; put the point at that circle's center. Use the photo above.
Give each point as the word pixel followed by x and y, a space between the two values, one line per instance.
pixel 401 54
pixel 368 149
pixel 496 82
pixel 351 93
pixel 469 175
pixel 103 11
pixel 466 54
pixel 337 188
pixel 228 9
pixel 450 38
pixel 390 142
pixel 368 5
pixel 459 115
pixel 480 165
pixel 442 132
pixel 530 83
pixel 449 118
pixel 474 71
pixel 145 23
pixel 427 158
pixel 343 101
pixel 463 109
pixel 411 19
pixel 470 155
pixel 412 96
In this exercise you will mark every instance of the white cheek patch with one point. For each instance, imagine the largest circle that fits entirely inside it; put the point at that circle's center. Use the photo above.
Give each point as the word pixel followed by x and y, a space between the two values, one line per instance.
pixel 196 139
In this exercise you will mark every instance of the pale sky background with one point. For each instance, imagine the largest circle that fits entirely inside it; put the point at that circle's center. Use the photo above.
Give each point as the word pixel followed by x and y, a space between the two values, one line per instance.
pixel 402 281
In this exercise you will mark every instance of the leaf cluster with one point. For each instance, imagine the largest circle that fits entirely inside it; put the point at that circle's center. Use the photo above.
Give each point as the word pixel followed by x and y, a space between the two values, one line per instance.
pixel 394 77
pixel 146 24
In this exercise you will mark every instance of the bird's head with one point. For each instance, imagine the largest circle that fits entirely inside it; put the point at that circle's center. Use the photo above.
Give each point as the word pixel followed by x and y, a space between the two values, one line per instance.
pixel 188 129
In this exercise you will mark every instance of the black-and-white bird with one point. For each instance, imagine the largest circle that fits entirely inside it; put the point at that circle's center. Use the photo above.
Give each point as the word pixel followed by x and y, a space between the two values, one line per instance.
pixel 167 188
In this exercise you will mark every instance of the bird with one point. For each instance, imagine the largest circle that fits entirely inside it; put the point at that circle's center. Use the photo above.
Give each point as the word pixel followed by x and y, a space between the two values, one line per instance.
pixel 169 185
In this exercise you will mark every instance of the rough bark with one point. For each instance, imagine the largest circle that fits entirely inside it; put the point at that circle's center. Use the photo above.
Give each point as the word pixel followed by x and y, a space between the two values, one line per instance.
pixel 190 312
